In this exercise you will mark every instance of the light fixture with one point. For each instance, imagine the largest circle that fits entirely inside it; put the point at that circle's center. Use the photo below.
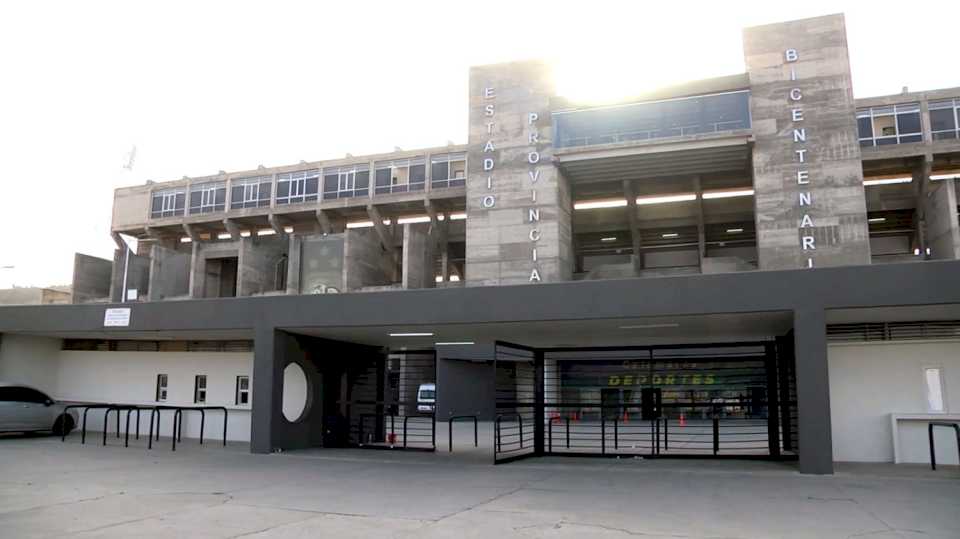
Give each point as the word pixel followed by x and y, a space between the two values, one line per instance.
pixel 454 278
pixel 734 230
pixel 185 239
pixel 663 199
pixel 288 229
pixel 669 235
pixel 266 232
pixel 887 181
pixel 596 204
pixel 458 216
pixel 950 176
pixel 412 334
pixel 414 219
pixel 438 279
pixel 730 193
pixel 454 343
pixel 651 326
pixel 245 234
pixel 916 252
pixel 611 238
pixel 224 236
pixel 360 224
pixel 877 220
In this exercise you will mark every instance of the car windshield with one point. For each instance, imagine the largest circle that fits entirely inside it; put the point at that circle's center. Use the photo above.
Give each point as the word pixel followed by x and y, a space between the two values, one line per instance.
pixel 428 394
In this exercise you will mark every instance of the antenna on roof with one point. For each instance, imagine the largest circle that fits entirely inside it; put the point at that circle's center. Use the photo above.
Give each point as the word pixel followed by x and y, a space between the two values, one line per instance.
pixel 397 149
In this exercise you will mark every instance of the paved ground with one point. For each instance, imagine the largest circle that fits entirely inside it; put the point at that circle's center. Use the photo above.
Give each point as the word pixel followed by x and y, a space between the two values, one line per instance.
pixel 54 489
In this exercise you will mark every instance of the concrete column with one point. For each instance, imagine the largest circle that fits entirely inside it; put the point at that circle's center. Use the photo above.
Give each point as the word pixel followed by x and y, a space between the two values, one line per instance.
pixel 293 264
pixel 267 390
pixel 197 270
pixel 417 253
pixel 938 208
pixel 813 391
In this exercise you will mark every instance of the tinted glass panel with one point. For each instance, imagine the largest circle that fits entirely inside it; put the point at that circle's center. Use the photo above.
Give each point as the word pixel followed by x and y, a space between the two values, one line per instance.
pixel 942 119
pixel 418 173
pixel 908 123
pixel 864 127
pixel 438 171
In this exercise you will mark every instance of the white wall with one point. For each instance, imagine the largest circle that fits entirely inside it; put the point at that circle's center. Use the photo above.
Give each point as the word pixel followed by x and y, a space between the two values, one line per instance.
pixel 130 378
pixel 868 382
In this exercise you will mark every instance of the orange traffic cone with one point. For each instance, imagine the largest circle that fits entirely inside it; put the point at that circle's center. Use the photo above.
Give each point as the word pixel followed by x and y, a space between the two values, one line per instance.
pixel 683 420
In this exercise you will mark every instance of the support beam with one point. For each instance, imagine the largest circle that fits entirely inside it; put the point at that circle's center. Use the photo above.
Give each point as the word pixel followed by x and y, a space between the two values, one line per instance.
pixel 191 232
pixel 324 226
pixel 701 229
pixel 386 239
pixel 632 221
pixel 813 391
pixel 276 224
pixel 119 242
pixel 232 228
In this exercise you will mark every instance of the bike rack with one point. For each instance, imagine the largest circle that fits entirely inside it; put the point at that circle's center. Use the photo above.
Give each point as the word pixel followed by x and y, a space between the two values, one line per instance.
pixel 119 408
pixel 450 429
pixel 87 408
pixel 178 422
pixel 933 452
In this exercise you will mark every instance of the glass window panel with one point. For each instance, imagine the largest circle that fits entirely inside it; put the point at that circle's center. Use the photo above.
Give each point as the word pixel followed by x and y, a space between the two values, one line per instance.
pixel 439 171
pixel 942 120
pixel 908 123
pixel 864 127
pixel 418 173
pixel 935 400
pixel 884 126
pixel 383 177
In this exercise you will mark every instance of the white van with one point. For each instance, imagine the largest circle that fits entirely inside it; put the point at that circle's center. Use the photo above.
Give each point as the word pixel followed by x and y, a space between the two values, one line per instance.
pixel 426 398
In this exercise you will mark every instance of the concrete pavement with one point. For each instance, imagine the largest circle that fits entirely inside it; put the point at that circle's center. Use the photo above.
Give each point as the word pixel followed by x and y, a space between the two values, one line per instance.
pixel 54 489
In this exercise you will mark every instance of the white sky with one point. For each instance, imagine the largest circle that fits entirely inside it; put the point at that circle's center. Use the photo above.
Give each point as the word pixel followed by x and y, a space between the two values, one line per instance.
pixel 204 86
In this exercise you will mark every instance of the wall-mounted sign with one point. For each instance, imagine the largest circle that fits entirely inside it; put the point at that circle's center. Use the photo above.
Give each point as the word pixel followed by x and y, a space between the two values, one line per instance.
pixel 801 158
pixel 116 317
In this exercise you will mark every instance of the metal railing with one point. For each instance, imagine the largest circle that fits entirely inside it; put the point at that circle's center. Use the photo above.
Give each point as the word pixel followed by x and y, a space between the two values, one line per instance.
pixel 155 415
pixel 458 418
pixel 498 430
pixel 933 452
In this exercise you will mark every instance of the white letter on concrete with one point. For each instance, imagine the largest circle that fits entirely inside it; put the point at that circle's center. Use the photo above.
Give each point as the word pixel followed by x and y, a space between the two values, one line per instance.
pixel 489 92
pixel 805 199
pixel 808 243
pixel 488 147
pixel 534 215
pixel 801 154
pixel 800 135
pixel 806 221
pixel 803 177
pixel 534 275
pixel 791 55
pixel 488 110
pixel 535 234
pixel 796 115
pixel 795 94
pixel 532 117
pixel 533 137
pixel 488 201
pixel 533 158
pixel 488 164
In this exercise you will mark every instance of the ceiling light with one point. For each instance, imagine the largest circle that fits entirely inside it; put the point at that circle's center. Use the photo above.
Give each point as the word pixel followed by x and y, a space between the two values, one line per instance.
pixel 224 236
pixel 458 216
pixel 414 334
pixel 438 279
pixel 877 220
pixel 414 219
pixel 454 278
pixel 266 232
pixel 611 238
pixel 670 235
pixel 684 197
pixel 951 176
pixel 288 229
pixel 651 326
pixel 360 224
pixel 887 181
pixel 454 343
pixel 185 239
pixel 245 234
pixel 734 230
pixel 710 195
pixel 596 204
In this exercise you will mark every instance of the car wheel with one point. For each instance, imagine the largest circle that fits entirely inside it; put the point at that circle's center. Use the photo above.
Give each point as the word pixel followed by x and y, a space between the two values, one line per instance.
pixel 63 425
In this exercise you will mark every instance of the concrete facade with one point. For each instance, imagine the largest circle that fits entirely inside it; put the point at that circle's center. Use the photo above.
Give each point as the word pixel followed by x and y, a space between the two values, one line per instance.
pixel 807 175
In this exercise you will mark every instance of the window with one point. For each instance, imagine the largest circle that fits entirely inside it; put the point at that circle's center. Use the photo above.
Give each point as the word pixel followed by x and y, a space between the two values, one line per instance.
pixel 933 379
pixel 448 170
pixel 251 192
pixel 297 187
pixel 243 390
pixel 894 124
pixel 208 197
pixel 22 394
pixel 945 119
pixel 161 388
pixel 401 175
pixel 168 203
pixel 200 388
pixel 346 182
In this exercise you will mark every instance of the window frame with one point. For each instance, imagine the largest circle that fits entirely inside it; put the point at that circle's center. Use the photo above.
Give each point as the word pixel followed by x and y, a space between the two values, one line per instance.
pixel 208 198
pixel 239 392
pixel 296 183
pixel 250 194
pixel 450 180
pixel 941 378
pixel 392 167
pixel 168 203
pixel 952 105
pixel 162 388
pixel 200 392
pixel 895 112
pixel 348 179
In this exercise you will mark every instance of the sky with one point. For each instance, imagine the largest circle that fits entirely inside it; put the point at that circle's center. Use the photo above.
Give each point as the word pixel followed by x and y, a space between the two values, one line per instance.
pixel 203 86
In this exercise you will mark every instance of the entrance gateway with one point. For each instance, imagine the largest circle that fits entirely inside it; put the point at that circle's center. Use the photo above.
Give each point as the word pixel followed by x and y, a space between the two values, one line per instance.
pixel 730 400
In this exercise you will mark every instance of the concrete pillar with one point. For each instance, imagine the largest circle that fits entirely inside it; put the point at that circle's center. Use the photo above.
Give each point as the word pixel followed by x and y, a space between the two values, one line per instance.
pixel 364 261
pixel 813 391
pixel 198 268
pixel 267 390
pixel 293 264
pixel 417 265
pixel 169 273
pixel 938 209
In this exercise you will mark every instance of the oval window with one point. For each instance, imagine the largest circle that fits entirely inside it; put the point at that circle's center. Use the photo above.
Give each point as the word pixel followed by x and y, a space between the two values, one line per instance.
pixel 294 392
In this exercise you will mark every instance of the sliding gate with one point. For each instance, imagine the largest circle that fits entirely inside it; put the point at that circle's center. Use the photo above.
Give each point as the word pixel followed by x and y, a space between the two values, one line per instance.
pixel 723 400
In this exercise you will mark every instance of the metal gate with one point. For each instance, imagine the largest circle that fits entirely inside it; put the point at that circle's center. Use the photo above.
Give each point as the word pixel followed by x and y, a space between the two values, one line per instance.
pixel 390 402
pixel 518 418
pixel 720 400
